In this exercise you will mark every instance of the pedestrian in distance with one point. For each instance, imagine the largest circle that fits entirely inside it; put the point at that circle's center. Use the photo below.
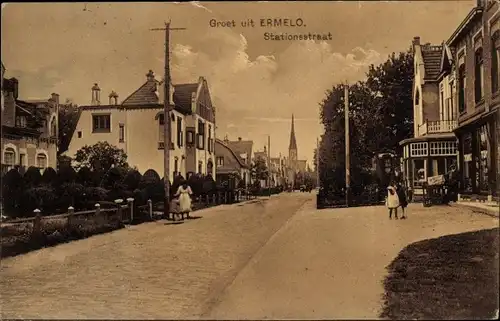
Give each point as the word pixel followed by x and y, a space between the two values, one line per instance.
pixel 184 193
pixel 403 200
pixel 392 200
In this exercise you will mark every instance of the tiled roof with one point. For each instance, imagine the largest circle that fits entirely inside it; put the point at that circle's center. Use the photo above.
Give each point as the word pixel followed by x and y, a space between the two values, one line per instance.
pixel 183 94
pixel 242 147
pixel 146 94
pixel 226 145
pixel 432 62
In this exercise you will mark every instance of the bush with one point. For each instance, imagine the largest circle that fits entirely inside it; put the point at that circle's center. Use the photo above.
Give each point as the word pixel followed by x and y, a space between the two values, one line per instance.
pixel 150 177
pixel 12 191
pixel 93 195
pixel 113 176
pixel 209 185
pixel 65 175
pixel 32 177
pixel 196 181
pixel 85 176
pixel 132 180
pixel 71 194
pixel 41 197
pixel 49 176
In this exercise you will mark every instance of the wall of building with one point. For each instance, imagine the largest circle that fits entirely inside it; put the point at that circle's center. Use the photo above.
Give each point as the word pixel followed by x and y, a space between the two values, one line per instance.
pixel 430 101
pixel 30 147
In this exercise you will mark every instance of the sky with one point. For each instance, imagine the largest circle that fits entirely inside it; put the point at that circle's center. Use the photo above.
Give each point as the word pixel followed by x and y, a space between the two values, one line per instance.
pixel 256 84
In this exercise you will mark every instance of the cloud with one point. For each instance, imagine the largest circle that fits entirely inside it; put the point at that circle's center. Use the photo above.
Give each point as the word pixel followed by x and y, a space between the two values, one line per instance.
pixel 269 88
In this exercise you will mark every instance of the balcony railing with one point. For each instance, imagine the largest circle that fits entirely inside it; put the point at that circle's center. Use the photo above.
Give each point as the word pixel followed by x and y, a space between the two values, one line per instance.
pixel 439 126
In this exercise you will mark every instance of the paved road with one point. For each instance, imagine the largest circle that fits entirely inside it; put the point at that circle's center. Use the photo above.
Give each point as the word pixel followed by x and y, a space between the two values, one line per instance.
pixel 330 264
pixel 154 270
pixel 277 258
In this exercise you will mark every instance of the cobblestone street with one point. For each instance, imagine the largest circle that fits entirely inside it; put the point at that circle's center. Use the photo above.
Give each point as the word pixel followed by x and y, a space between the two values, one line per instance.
pixel 154 270
pixel 230 264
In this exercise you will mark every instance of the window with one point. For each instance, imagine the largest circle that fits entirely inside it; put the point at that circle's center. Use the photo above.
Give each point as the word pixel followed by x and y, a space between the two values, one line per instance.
pixel 468 168
pixel 461 88
pixel 53 128
pixel 441 106
pixel 41 161
pixel 209 138
pixel 200 167
pixel 417 97
pixel 210 167
pixel 22 159
pixel 201 135
pixel 9 157
pixel 418 172
pixel 161 124
pixel 190 137
pixel 180 132
pixel 220 161
pixel 478 75
pixel 418 149
pixel 79 134
pixel 176 165
pixel 101 123
pixel 122 133
pixel 443 148
pixel 451 102
pixel 21 121
pixel 484 143
pixel 495 60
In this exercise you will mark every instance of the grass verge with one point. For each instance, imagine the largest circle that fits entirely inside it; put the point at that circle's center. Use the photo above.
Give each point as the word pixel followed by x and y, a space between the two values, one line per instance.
pixel 451 277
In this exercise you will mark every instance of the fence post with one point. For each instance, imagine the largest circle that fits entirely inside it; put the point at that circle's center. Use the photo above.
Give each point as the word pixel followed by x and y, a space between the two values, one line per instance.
pixel 225 197
pixel 208 199
pixel 130 202
pixel 119 202
pixel 71 210
pixel 37 223
pixel 97 209
pixel 150 209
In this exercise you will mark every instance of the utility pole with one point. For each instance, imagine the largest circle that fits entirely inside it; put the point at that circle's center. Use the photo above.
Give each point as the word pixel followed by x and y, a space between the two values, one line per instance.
pixel 317 161
pixel 166 117
pixel 347 147
pixel 269 163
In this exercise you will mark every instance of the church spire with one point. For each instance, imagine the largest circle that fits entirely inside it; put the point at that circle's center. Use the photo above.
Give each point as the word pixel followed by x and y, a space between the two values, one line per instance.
pixel 293 142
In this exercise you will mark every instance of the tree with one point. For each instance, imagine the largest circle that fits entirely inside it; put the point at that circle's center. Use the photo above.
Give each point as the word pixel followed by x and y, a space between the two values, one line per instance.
pixel 259 169
pixel 68 119
pixel 101 157
pixel 380 116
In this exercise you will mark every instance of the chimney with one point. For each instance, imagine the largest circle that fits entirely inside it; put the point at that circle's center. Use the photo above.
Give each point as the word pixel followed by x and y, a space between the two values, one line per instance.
pixel 15 87
pixel 239 139
pixel 96 95
pixel 265 149
pixel 150 75
pixel 113 98
pixel 55 98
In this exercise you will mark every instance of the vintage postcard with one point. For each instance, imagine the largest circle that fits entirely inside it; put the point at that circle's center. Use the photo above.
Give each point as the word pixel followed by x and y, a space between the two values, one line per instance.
pixel 250 160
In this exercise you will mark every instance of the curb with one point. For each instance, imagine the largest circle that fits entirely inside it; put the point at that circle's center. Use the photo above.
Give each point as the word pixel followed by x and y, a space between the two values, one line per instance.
pixel 485 211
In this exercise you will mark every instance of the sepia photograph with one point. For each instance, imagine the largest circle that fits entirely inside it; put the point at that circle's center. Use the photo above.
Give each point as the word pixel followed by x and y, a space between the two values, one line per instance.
pixel 225 160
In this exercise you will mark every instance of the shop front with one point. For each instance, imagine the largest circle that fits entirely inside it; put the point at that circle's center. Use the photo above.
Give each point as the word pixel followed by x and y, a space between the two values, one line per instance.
pixel 426 157
pixel 478 157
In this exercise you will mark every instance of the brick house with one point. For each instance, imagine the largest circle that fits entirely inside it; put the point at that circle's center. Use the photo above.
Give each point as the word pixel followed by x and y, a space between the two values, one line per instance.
pixel 244 150
pixel 476 45
pixel 29 129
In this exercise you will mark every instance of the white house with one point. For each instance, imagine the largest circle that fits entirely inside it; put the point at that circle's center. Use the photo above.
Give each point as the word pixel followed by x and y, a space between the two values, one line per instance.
pixel 136 126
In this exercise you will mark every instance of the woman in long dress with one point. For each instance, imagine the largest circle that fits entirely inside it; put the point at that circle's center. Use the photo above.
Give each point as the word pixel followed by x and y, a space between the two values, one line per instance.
pixel 184 193
pixel 392 201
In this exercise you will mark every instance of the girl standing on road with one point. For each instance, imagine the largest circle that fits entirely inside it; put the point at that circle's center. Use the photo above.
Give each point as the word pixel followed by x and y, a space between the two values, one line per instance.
pixel 392 201
pixel 403 200
pixel 184 192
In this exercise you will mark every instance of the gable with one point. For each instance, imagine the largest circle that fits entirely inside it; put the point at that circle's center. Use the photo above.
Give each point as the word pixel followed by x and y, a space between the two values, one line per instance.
pixel 204 106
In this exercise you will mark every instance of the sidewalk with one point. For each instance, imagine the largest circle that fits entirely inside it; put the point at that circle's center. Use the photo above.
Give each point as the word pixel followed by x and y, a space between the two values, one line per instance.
pixel 491 209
